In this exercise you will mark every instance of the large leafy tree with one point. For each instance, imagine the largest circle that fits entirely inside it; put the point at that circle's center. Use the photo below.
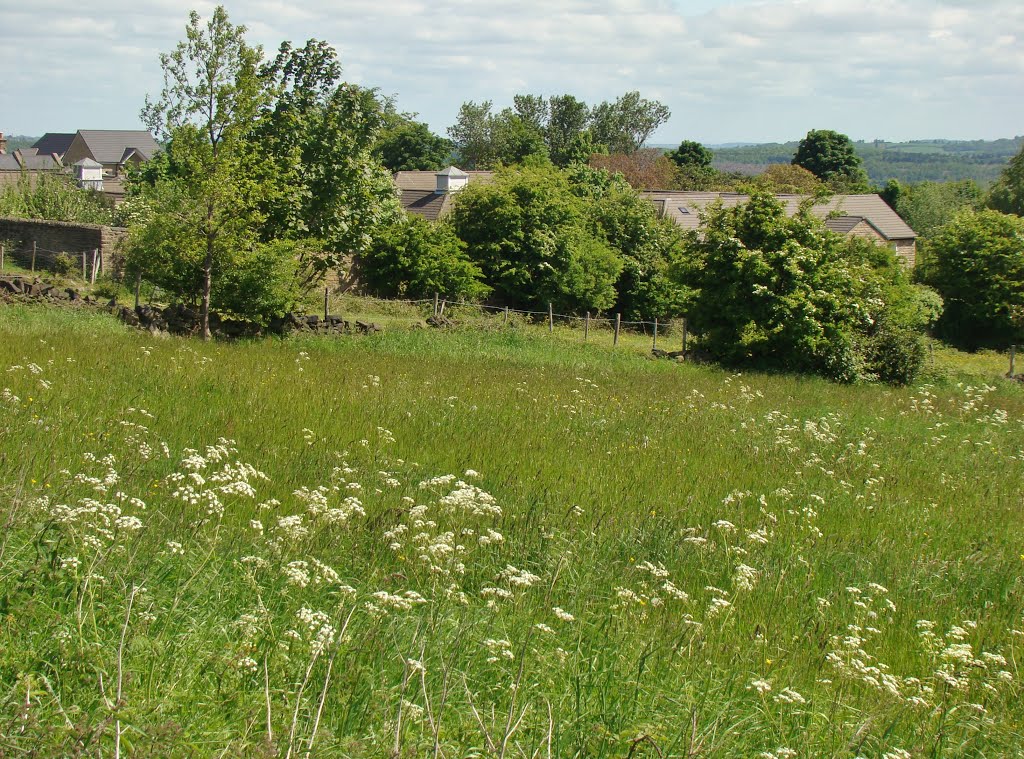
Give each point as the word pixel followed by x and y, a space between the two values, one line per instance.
pixel 405 144
pixel 831 157
pixel 977 265
pixel 646 244
pixel 532 238
pixel 691 154
pixel 568 137
pixel 211 96
pixel 625 125
pixel 317 136
pixel 1008 192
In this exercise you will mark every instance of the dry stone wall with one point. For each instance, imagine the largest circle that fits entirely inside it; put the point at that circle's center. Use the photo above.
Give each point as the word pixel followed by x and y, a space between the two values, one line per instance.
pixel 54 237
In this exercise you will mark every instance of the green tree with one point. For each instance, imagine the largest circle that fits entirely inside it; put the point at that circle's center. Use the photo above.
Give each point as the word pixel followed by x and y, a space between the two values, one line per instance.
pixel 646 244
pixel 783 293
pixel 568 138
pixel 212 94
pixel 409 145
pixel 977 265
pixel 691 154
pixel 317 138
pixel 1007 193
pixel 471 134
pixel 416 259
pixel 831 157
pixel 928 206
pixel 625 125
pixel 531 236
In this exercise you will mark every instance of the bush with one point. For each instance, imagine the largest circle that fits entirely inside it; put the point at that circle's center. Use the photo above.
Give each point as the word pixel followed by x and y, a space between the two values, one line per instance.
pixel 415 259
pixel 784 293
pixel 63 264
pixel 533 240
pixel 976 262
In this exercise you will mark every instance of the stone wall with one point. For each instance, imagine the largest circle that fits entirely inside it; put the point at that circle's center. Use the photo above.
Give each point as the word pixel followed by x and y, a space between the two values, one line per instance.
pixel 52 238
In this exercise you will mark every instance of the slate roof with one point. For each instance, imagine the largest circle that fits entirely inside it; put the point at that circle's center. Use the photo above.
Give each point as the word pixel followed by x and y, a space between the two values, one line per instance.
pixel 88 163
pixel 684 209
pixel 54 142
pixel 108 146
pixel 426 203
pixel 29 161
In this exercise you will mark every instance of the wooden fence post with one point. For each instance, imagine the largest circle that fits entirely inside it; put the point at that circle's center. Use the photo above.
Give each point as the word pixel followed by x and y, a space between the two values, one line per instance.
pixel 95 255
pixel 33 256
pixel 504 318
pixel 618 321
pixel 85 271
pixel 654 344
pixel 327 302
pixel 443 304
pixel 551 318
pixel 586 326
pixel 684 338
pixel 2 252
pixel 435 304
pixel 138 288
pixel 1013 357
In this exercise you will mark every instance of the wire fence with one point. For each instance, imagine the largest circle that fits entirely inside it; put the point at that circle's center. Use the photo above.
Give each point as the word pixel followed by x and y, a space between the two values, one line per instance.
pixel 36 256
pixel 440 308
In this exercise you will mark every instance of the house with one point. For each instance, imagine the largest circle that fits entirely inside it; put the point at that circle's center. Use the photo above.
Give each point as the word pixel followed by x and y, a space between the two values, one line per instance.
pixel 14 165
pixel 53 143
pixel 429 193
pixel 865 216
pixel 113 149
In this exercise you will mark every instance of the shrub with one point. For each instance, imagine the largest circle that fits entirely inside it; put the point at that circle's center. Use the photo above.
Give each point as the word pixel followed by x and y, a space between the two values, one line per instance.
pixel 532 238
pixel 63 264
pixel 416 259
pixel 976 262
pixel 784 293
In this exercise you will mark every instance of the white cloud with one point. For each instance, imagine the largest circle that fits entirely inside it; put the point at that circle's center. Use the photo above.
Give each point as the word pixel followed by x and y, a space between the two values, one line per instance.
pixel 729 70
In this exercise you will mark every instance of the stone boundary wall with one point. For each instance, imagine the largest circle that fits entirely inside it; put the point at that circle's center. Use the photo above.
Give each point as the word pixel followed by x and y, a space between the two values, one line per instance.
pixel 54 237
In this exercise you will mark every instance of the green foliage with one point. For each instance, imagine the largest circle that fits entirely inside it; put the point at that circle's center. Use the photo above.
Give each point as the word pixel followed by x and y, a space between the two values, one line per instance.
pixel 928 206
pixel 783 293
pixel 647 245
pixel 408 145
pixel 908 162
pixel 63 264
pixel 1008 192
pixel 417 259
pixel 831 157
pixel 977 265
pixel 249 279
pixel 530 235
pixel 562 128
pixel 692 155
pixel 625 125
pixel 212 95
pixel 316 139
pixel 55 197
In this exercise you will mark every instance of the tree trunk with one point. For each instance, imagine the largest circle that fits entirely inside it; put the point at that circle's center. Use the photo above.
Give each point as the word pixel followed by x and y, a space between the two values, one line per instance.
pixel 207 275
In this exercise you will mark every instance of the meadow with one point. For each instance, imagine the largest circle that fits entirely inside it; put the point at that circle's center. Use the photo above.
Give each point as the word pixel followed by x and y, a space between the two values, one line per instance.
pixel 497 543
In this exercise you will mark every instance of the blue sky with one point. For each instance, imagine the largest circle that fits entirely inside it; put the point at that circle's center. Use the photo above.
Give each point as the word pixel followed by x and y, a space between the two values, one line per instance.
pixel 730 70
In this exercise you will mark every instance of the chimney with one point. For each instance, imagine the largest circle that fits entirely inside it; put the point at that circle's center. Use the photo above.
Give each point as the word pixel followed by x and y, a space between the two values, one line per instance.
pixel 451 180
pixel 3 144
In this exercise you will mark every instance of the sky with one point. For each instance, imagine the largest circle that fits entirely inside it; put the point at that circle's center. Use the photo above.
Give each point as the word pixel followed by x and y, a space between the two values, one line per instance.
pixel 729 70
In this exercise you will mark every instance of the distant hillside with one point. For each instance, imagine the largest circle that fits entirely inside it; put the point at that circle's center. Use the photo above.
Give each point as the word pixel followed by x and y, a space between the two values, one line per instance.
pixel 916 161
pixel 19 142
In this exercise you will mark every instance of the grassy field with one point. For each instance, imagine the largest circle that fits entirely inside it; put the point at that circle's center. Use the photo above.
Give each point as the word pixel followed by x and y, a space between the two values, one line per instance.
pixel 490 542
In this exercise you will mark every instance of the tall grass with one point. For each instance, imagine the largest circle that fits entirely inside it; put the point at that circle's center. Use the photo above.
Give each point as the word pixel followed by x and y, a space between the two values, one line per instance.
pixel 486 544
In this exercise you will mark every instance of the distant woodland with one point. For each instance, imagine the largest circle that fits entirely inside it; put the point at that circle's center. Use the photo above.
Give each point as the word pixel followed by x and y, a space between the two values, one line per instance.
pixel 908 162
